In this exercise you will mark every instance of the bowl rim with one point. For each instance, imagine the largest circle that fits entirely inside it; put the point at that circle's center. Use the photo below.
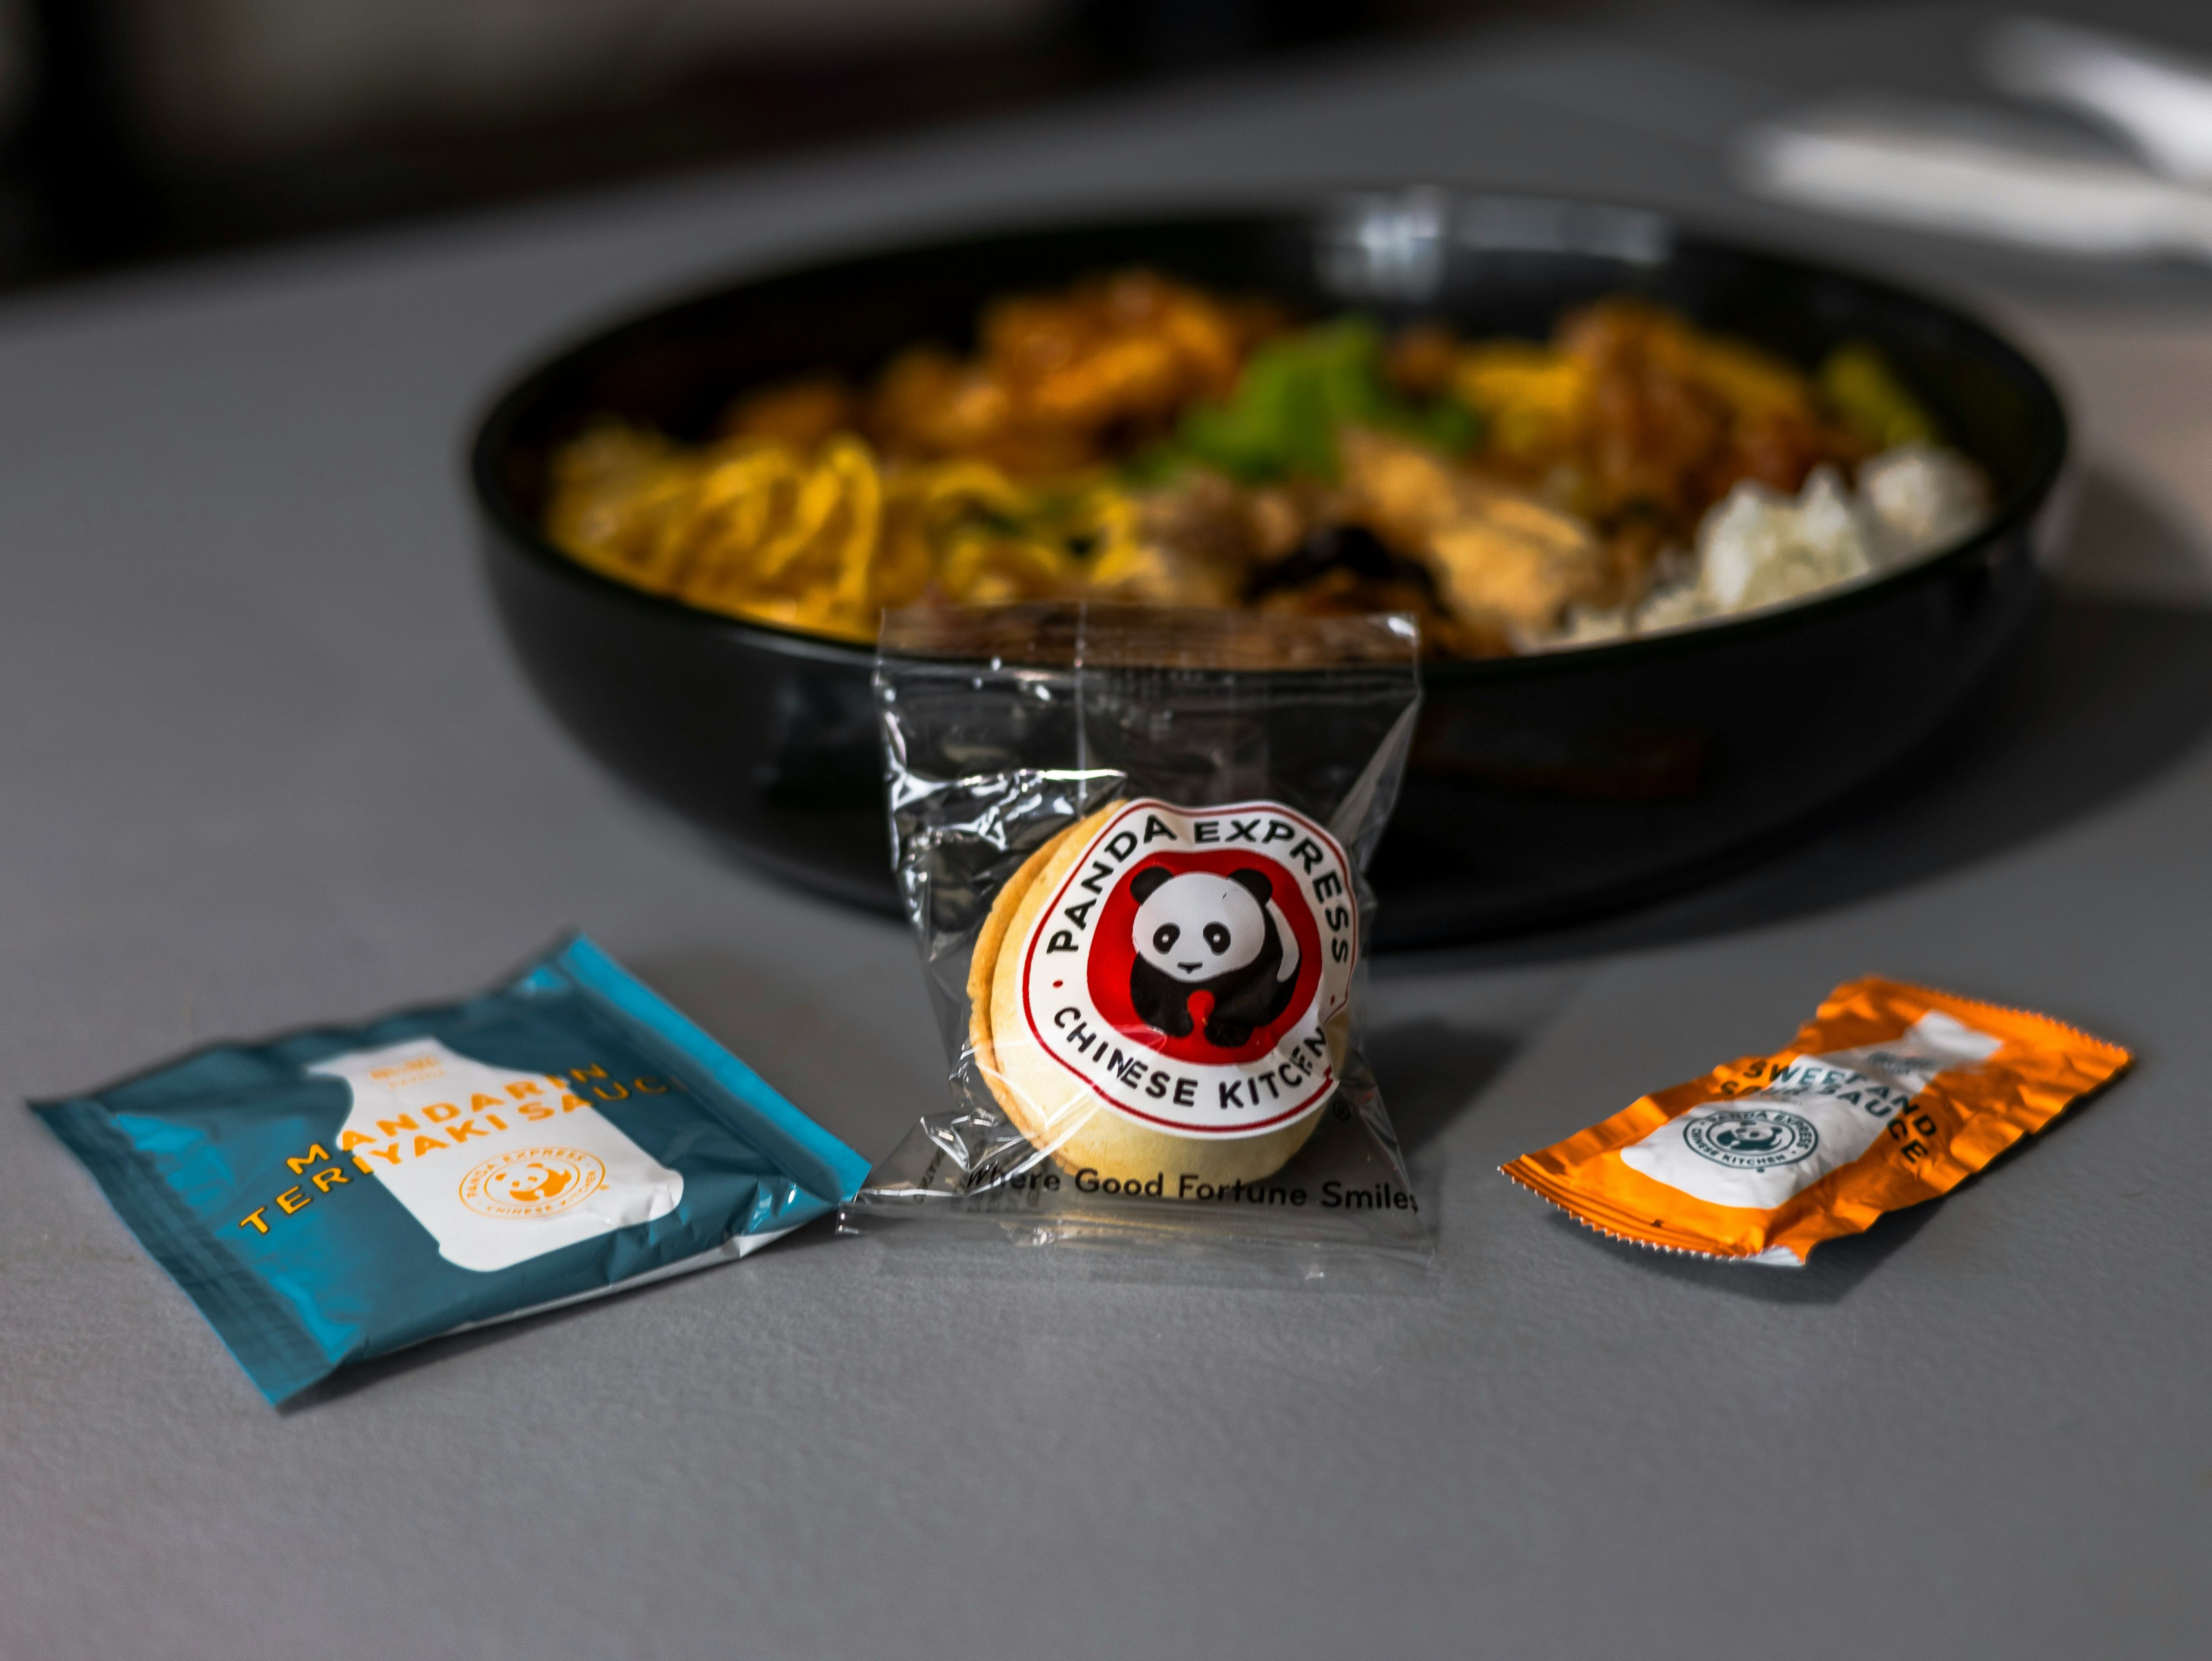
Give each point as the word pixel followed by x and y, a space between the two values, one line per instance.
pixel 2015 511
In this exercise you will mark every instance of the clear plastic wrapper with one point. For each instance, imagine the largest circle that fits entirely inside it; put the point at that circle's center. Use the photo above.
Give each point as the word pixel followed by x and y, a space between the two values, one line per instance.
pixel 1133 843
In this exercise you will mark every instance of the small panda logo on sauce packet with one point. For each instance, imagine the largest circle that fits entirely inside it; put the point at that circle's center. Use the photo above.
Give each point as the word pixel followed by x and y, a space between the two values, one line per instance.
pixel 1187 967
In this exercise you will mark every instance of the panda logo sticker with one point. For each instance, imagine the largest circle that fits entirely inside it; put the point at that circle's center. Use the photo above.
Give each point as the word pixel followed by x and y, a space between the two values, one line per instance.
pixel 1188 966
pixel 1219 944
pixel 1751 1138
pixel 532 1182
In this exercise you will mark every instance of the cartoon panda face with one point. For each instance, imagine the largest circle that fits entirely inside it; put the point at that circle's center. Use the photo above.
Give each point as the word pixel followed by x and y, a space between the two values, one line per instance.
pixel 1196 925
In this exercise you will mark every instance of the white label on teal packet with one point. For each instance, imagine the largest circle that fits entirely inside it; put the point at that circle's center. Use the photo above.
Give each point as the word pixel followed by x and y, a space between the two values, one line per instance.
pixel 499 1166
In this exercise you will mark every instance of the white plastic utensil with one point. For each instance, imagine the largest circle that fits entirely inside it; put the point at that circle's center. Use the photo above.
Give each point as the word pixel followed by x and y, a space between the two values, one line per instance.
pixel 2160 101
pixel 1955 171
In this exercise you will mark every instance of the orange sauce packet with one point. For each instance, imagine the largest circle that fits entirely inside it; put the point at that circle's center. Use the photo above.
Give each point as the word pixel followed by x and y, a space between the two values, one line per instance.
pixel 1890 1095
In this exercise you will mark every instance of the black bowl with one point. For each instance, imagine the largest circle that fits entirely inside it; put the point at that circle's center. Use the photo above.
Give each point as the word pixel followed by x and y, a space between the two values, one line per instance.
pixel 1541 789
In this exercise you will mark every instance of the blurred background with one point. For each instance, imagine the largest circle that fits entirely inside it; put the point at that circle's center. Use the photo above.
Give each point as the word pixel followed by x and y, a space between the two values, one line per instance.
pixel 136 130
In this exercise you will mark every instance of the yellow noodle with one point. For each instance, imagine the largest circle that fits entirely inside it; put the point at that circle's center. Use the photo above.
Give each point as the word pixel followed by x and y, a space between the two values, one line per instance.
pixel 756 529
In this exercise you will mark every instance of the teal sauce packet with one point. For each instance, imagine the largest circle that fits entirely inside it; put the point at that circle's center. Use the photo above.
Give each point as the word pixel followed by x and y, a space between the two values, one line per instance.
pixel 344 1193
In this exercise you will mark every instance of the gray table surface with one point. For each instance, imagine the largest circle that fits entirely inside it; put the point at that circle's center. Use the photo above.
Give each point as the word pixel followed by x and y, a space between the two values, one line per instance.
pixel 266 762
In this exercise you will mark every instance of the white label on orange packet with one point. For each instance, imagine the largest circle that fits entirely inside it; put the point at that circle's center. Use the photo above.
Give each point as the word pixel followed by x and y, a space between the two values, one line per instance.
pixel 1819 1114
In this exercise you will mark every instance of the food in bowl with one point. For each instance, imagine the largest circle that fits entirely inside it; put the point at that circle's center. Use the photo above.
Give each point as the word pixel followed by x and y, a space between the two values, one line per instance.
pixel 1134 438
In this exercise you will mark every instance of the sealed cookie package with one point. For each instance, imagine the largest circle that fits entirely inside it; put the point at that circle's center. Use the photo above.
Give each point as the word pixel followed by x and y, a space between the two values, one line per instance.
pixel 345 1192
pixel 1890 1095
pixel 1132 845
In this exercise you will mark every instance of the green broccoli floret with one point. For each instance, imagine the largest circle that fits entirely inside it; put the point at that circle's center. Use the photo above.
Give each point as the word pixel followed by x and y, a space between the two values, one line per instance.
pixel 1859 384
pixel 1295 394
